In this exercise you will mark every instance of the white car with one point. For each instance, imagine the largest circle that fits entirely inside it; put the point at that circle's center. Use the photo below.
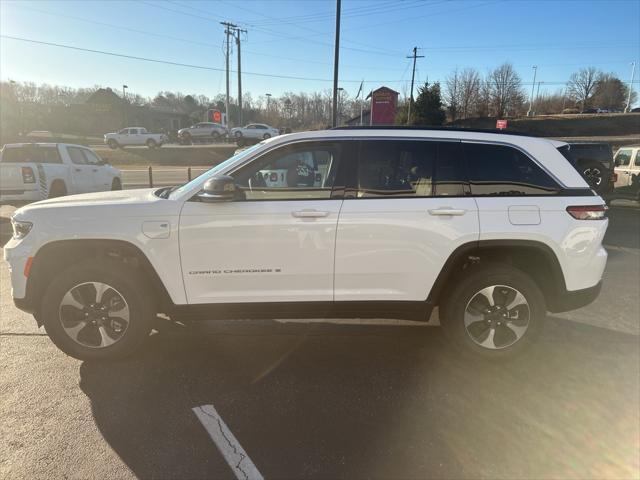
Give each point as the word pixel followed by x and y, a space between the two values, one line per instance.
pixel 134 136
pixel 203 130
pixel 627 166
pixel 255 130
pixel 35 171
pixel 494 229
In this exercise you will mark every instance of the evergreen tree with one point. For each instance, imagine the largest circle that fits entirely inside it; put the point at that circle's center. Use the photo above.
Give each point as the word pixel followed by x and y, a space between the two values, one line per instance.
pixel 428 108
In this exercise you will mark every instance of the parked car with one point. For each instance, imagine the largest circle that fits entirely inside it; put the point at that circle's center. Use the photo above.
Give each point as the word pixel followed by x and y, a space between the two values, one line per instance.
pixel 590 110
pixel 255 130
pixel 635 110
pixel 594 161
pixel 203 130
pixel 35 171
pixel 627 169
pixel 570 111
pixel 495 229
pixel 134 136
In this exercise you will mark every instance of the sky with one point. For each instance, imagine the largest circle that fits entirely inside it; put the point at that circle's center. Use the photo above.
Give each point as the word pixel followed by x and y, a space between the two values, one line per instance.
pixel 289 44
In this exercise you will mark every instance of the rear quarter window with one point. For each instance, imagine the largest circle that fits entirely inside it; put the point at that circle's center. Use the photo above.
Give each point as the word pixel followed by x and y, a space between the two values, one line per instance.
pixel 499 170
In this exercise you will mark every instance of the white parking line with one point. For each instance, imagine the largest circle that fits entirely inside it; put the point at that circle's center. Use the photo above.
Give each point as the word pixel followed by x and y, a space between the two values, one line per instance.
pixel 238 460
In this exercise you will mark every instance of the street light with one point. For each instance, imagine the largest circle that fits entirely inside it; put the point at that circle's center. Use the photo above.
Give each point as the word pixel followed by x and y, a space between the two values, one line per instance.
pixel 124 105
pixel 535 71
pixel 633 73
pixel 268 95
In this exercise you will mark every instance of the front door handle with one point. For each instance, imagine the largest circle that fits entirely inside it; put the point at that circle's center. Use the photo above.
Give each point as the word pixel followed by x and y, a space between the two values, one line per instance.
pixel 309 214
pixel 78 169
pixel 447 211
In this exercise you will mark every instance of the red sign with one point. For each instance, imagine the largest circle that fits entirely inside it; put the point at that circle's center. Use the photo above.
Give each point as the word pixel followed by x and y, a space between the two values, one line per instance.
pixel 217 116
pixel 501 124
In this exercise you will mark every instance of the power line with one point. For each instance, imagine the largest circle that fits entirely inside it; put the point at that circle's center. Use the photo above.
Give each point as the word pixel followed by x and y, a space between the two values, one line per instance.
pixel 216 69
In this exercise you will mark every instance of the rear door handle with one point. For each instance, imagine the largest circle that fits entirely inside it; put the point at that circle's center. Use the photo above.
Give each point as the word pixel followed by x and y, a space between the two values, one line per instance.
pixel 447 211
pixel 95 169
pixel 309 214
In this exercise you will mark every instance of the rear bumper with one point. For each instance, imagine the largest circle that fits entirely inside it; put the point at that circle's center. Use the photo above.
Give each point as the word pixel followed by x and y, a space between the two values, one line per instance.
pixel 572 300
pixel 10 195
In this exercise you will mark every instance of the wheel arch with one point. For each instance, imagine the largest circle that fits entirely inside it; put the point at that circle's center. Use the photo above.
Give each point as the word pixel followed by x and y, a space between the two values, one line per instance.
pixel 55 256
pixel 533 257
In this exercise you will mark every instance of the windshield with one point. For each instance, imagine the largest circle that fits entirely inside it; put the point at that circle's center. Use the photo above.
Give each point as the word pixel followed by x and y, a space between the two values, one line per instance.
pixel 213 171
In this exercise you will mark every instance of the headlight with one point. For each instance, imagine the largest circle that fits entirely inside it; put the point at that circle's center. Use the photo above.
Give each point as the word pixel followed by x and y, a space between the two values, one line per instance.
pixel 20 229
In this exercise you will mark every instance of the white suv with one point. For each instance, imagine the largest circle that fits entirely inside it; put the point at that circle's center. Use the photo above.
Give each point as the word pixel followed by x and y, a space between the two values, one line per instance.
pixel 494 229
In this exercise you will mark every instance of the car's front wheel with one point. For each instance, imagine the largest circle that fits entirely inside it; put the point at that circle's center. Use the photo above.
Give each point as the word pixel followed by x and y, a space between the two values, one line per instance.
pixel 266 136
pixel 112 144
pixel 151 143
pixel 97 310
pixel 494 310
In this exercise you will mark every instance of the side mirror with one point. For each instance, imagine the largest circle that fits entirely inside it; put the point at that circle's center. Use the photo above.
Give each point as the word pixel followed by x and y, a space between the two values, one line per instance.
pixel 221 188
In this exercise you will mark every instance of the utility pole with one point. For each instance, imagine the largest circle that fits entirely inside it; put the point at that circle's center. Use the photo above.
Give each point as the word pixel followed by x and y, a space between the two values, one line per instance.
pixel 238 31
pixel 227 30
pixel 633 74
pixel 537 94
pixel 336 56
pixel 413 76
pixel 124 105
pixel 535 71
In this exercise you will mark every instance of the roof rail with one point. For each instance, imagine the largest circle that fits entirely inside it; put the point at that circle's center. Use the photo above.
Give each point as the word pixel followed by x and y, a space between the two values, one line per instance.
pixel 445 129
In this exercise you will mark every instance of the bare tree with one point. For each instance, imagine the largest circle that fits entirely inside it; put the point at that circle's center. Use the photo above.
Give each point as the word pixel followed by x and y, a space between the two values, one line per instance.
pixel 469 97
pixel 611 93
pixel 582 85
pixel 452 94
pixel 505 90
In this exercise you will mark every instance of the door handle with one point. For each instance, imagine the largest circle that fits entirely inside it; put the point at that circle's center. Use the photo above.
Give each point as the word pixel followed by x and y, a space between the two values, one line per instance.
pixel 447 211
pixel 78 169
pixel 309 214
pixel 95 169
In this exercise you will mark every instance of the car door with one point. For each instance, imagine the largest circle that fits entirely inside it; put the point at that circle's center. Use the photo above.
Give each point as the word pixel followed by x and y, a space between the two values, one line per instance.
pixel 276 242
pixel 406 214
pixel 81 171
pixel 622 168
pixel 634 169
pixel 102 176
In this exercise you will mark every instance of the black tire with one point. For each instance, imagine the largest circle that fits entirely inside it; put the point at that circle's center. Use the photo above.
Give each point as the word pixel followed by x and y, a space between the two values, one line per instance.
pixel 215 136
pixel 595 174
pixel 466 288
pixel 116 184
pixel 112 144
pixel 238 134
pixel 266 135
pixel 185 139
pixel 58 189
pixel 121 278
pixel 151 143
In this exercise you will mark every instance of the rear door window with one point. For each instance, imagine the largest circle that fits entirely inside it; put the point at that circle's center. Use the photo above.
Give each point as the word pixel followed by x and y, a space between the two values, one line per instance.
pixel 623 158
pixel 503 170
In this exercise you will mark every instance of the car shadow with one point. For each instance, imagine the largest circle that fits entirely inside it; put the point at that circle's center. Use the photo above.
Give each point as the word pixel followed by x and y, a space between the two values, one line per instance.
pixel 336 401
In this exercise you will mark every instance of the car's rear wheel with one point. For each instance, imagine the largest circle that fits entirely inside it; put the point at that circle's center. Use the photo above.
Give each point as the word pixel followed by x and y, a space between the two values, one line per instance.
pixel 238 134
pixel 97 310
pixel 58 189
pixel 266 135
pixel 215 136
pixel 493 310
pixel 112 144
pixel 151 143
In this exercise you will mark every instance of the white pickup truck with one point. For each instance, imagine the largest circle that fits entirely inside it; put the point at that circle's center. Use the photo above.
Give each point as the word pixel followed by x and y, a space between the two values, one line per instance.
pixel 36 171
pixel 134 136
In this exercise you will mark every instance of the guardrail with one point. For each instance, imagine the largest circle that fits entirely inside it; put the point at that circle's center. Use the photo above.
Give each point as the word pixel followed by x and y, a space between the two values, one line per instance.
pixel 159 176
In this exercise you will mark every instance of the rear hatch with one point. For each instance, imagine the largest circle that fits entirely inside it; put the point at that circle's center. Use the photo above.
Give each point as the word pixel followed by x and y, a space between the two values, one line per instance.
pixel 20 165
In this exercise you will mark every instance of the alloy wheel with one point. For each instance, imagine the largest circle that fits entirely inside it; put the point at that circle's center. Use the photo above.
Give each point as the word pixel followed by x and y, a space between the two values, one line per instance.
pixel 94 314
pixel 496 317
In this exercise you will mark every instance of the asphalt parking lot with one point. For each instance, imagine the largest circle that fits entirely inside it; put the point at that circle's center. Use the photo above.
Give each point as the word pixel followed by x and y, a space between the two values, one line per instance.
pixel 311 400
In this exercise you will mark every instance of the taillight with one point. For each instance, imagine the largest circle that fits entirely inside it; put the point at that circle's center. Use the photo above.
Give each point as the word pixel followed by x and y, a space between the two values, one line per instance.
pixel 27 175
pixel 614 177
pixel 588 212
